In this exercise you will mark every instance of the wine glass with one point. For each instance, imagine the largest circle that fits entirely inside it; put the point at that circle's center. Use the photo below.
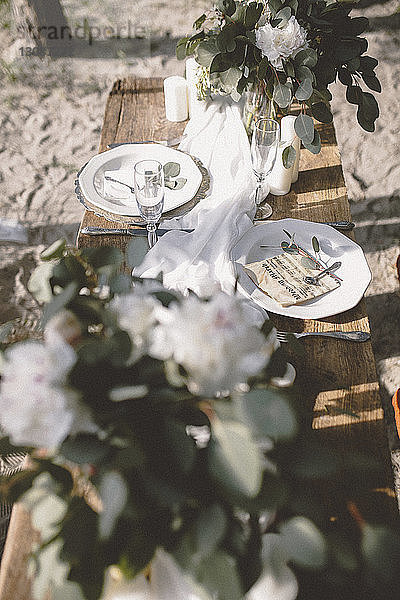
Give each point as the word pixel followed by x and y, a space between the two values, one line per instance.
pixel 149 192
pixel 264 145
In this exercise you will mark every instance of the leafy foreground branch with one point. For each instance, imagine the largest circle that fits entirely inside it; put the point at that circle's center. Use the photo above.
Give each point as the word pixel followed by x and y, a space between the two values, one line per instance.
pixel 159 443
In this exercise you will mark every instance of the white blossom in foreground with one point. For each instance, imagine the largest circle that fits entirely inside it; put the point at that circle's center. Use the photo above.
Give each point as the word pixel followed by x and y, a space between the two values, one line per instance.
pixel 65 325
pixel 169 582
pixel 219 342
pixel 279 44
pixel 136 315
pixel 36 407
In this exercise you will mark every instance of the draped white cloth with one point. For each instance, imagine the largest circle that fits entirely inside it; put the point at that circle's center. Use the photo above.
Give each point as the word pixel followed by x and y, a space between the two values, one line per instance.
pixel 200 259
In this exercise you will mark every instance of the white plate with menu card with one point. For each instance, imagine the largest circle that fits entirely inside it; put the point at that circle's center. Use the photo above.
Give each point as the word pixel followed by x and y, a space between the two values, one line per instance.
pixel 334 246
pixel 123 158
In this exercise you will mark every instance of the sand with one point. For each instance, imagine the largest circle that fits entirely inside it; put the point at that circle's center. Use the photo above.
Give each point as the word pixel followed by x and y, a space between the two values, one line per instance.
pixel 51 111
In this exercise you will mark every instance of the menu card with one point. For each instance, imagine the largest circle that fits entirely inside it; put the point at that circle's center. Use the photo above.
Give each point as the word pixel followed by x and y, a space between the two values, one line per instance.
pixel 282 278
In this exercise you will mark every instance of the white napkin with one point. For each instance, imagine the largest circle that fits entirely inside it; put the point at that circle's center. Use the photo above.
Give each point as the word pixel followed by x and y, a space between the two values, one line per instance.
pixel 197 260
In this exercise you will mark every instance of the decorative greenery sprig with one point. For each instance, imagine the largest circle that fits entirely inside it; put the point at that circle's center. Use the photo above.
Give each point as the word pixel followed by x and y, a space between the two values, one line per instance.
pixel 236 42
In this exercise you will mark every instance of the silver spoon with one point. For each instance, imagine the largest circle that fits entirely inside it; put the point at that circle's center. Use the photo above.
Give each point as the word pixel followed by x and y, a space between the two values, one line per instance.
pixel 120 183
pixel 314 280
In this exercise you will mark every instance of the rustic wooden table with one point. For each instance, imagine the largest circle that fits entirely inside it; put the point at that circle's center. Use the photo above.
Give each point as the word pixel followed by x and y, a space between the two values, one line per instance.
pixel 332 374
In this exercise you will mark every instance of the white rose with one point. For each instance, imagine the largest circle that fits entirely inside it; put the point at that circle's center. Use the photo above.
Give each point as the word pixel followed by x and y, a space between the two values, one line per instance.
pixel 279 44
pixel 36 408
pixel 214 341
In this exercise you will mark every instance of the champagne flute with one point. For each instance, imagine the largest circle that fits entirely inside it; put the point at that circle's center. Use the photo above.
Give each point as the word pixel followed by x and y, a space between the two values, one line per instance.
pixel 264 145
pixel 149 192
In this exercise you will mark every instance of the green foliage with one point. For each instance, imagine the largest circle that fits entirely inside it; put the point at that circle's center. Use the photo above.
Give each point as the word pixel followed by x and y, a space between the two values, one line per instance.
pixel 335 51
pixel 208 500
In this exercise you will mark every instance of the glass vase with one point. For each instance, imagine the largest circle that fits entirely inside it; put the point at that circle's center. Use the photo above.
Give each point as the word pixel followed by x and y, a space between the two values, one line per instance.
pixel 256 105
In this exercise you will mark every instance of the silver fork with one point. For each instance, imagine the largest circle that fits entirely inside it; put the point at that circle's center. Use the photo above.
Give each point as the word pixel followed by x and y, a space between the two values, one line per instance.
pixel 351 336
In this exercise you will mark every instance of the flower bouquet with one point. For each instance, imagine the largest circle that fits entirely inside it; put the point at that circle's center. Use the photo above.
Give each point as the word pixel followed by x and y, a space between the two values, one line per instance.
pixel 289 51
pixel 163 460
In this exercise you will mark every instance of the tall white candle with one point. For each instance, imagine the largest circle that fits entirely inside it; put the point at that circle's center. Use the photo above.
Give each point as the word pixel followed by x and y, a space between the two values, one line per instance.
pixel 280 178
pixel 191 71
pixel 176 98
pixel 288 134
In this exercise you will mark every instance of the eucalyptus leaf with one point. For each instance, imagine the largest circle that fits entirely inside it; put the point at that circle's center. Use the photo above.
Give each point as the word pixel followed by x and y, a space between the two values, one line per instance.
pixel 205 53
pixel 315 145
pixel 210 529
pixel 180 182
pixel 219 574
pixel 307 57
pixel 282 95
pixel 136 250
pixel 304 543
pixel 315 244
pixel 303 72
pixel 113 491
pixel 372 82
pixel 171 169
pixel 305 90
pixel 354 94
pixel 321 112
pixel 252 14
pixel 234 459
pixel 268 413
pixel 56 250
pixel 381 550
pixel 230 78
pixel 304 128
pixel 59 302
pixel 181 48
pixel 227 7
pixel 288 157
pixel 282 17
pixel 84 448
pixel 308 263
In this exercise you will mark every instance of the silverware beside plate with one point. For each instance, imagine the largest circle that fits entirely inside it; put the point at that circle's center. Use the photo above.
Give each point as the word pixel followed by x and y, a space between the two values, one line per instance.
pixel 169 143
pixel 339 225
pixel 139 232
pixel 350 336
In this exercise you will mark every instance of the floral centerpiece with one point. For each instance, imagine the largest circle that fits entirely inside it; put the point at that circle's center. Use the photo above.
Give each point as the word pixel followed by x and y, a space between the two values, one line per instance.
pixel 290 50
pixel 164 462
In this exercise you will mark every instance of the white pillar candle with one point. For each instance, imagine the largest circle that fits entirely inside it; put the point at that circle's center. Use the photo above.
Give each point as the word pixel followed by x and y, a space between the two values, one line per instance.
pixel 191 71
pixel 176 98
pixel 280 178
pixel 288 134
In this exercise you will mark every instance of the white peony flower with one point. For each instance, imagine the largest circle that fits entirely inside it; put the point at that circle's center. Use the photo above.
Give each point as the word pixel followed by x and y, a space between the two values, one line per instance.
pixel 65 325
pixel 36 408
pixel 136 315
pixel 279 44
pixel 218 342
pixel 167 582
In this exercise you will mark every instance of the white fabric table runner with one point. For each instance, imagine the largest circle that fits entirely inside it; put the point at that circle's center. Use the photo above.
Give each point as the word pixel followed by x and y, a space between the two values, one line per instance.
pixel 200 260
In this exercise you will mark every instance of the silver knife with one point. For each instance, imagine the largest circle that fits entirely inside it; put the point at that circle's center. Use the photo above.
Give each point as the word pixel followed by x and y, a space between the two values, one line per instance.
pixel 140 232
pixel 169 143
pixel 340 225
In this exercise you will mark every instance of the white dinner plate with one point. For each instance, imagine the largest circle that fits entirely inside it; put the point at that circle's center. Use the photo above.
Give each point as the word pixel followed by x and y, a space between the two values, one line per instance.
pixel 334 246
pixel 91 178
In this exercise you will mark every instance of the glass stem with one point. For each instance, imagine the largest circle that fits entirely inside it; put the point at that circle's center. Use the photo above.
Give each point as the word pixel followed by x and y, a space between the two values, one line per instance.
pixel 257 197
pixel 151 234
